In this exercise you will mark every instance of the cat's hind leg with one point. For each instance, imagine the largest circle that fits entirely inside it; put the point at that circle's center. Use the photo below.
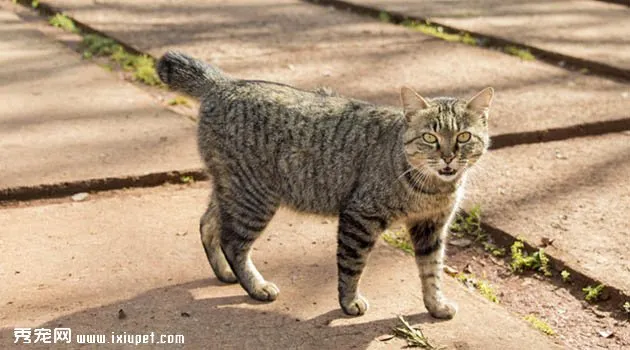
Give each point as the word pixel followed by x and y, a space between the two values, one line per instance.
pixel 210 229
pixel 243 218
pixel 428 239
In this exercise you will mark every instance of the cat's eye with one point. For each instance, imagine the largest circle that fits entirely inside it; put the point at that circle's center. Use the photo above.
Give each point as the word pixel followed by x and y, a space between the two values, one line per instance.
pixel 463 137
pixel 429 138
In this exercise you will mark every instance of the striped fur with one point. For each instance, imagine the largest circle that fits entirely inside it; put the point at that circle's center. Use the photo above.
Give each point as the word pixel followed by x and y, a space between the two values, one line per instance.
pixel 268 145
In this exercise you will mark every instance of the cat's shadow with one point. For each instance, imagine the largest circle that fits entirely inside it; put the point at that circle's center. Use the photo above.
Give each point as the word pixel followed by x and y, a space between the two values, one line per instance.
pixel 231 322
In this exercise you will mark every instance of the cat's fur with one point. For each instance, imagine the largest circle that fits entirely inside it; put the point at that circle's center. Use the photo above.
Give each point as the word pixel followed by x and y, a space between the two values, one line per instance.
pixel 268 144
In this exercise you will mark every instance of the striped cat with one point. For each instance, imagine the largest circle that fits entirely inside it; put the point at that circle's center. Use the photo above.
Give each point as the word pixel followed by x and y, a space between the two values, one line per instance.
pixel 267 144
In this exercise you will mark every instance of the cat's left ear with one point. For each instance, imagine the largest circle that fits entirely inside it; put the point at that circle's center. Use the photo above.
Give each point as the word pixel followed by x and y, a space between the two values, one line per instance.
pixel 480 103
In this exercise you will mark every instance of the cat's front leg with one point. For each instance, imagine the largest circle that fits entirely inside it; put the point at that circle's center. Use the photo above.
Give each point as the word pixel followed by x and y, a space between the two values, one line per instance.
pixel 356 238
pixel 428 239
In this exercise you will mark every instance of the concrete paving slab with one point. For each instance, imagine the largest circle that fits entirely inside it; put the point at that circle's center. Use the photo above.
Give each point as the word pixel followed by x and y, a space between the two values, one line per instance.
pixel 77 264
pixel 64 119
pixel 306 45
pixel 591 30
pixel 576 192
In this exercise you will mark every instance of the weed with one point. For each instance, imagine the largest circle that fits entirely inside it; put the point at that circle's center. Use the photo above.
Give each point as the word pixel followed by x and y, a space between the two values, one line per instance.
pixel 484 288
pixel 413 336
pixel 398 239
pixel 384 17
pixel 592 294
pixel 523 54
pixel 540 324
pixel 521 261
pixel 64 22
pixel 626 307
pixel 186 179
pixel 178 101
pixel 35 4
pixel 470 224
pixel 145 70
pixel 566 276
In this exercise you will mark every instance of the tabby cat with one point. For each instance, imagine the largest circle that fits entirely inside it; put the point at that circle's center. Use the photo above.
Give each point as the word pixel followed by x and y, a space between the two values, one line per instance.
pixel 267 144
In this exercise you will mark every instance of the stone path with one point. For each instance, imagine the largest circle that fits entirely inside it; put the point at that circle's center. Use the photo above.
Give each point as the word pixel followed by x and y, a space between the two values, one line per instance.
pixel 587 29
pixel 78 263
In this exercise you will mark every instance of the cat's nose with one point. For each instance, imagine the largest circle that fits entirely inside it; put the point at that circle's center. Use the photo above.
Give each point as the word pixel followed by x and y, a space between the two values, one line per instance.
pixel 448 158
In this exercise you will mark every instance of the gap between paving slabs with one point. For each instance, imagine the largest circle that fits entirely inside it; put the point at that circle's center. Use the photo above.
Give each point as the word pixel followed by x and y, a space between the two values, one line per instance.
pixel 483 40
pixel 499 141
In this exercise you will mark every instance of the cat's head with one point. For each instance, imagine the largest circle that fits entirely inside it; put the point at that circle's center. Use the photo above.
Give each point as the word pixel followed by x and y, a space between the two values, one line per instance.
pixel 445 136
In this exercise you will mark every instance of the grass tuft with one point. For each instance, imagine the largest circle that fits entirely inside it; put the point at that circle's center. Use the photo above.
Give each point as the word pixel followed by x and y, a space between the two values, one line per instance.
pixel 484 288
pixel 540 324
pixel 592 294
pixel 384 17
pixel 64 22
pixel 438 32
pixel 413 336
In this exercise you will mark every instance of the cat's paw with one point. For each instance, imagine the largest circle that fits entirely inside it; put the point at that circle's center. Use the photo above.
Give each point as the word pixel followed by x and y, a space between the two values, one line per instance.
pixel 265 292
pixel 357 307
pixel 444 309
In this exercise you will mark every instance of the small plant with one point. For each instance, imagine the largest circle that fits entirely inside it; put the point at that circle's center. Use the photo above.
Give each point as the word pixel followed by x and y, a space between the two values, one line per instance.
pixel 485 289
pixel 626 307
pixel 178 101
pixel 493 249
pixel 144 70
pixel 470 224
pixel 566 276
pixel 64 22
pixel 521 261
pixel 592 294
pixel 35 4
pixel 398 239
pixel 413 336
pixel 540 324
pixel 523 54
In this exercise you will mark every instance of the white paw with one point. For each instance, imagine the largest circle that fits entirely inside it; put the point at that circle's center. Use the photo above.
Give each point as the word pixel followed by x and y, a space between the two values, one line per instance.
pixel 266 292
pixel 356 307
pixel 444 309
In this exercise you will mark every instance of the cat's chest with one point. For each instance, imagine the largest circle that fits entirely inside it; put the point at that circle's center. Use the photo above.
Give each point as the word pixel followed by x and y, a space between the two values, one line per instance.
pixel 430 207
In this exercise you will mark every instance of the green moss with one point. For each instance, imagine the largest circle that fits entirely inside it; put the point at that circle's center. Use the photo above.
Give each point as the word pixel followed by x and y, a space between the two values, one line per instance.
pixel 521 261
pixel 592 294
pixel 523 54
pixel 178 101
pixel 438 32
pixel 540 324
pixel 64 22
pixel 566 276
pixel 141 66
pixel 399 239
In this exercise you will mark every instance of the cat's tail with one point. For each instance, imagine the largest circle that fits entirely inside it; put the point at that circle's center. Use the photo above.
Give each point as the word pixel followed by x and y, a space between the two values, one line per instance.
pixel 184 73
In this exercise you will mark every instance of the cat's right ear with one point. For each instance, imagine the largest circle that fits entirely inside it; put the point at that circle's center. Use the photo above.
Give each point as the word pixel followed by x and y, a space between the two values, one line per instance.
pixel 411 102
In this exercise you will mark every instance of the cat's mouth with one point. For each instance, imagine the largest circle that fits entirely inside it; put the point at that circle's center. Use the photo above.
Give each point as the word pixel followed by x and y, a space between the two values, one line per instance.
pixel 447 171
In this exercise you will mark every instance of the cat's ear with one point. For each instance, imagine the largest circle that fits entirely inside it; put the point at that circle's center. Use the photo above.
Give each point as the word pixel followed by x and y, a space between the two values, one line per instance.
pixel 411 101
pixel 480 103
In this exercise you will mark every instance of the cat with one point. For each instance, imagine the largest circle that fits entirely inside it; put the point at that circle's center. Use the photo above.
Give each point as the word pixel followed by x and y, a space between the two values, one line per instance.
pixel 268 144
